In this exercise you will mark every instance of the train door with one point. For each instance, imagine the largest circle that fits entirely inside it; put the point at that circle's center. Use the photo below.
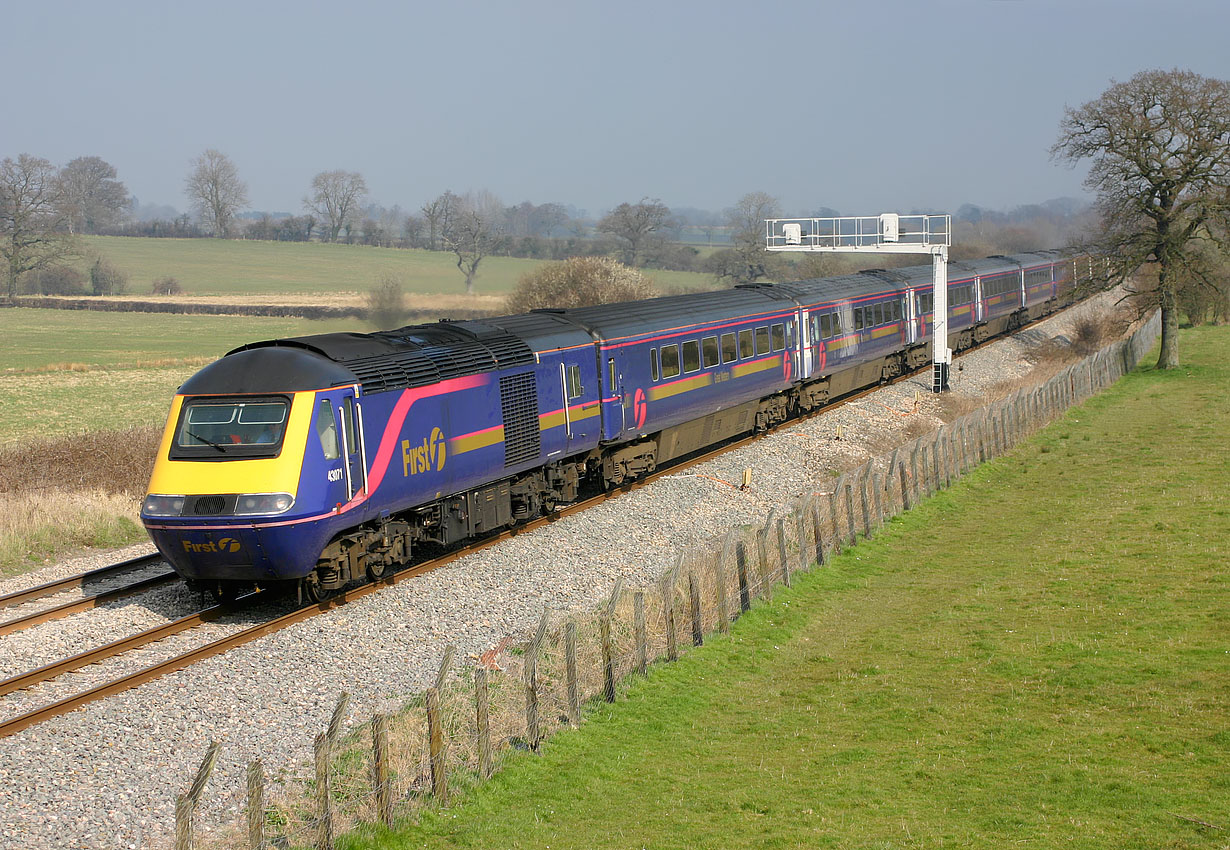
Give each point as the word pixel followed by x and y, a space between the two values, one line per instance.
pixel 579 383
pixel 350 427
pixel 615 414
pixel 805 343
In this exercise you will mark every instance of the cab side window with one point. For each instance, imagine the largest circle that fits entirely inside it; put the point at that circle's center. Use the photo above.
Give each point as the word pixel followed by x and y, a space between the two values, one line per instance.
pixel 326 429
pixel 574 383
pixel 653 363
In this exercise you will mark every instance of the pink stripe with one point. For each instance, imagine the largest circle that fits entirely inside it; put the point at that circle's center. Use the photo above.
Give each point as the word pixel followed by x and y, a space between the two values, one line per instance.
pixel 388 440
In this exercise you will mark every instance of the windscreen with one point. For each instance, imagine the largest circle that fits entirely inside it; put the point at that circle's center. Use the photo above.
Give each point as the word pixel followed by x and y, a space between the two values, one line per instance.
pixel 220 426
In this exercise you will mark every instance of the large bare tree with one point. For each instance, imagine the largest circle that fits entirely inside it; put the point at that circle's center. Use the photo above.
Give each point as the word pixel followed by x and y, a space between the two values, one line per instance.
pixel 637 225
pixel 1160 150
pixel 474 230
pixel 336 198
pixel 33 225
pixel 750 261
pixel 216 192
pixel 438 213
pixel 93 199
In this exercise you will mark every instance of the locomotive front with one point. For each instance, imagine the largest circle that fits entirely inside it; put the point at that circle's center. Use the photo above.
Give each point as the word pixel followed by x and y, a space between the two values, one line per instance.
pixel 252 473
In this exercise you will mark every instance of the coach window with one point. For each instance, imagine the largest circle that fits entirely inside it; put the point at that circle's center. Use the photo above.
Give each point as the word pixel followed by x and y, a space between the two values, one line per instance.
pixel 858 318
pixel 691 356
pixel 762 341
pixel 670 361
pixel 326 429
pixel 779 337
pixel 730 348
pixel 879 314
pixel 709 350
pixel 653 363
pixel 574 382
pixel 826 326
pixel 747 346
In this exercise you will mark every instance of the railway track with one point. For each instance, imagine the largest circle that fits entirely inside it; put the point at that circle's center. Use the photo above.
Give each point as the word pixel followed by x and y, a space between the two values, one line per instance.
pixel 126 682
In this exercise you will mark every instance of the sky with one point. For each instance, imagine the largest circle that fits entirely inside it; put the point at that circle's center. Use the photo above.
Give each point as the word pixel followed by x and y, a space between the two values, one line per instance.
pixel 858 106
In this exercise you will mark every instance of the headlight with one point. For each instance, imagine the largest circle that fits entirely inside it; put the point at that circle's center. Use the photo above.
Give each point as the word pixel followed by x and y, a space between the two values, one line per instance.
pixel 263 503
pixel 156 505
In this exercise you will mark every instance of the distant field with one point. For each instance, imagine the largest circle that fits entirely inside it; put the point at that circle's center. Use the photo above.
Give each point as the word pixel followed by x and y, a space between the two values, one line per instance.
pixel 66 371
pixel 38 339
pixel 226 267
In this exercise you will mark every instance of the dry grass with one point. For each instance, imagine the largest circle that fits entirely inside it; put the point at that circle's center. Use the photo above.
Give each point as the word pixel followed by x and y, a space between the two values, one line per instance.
pixel 111 462
pixel 40 525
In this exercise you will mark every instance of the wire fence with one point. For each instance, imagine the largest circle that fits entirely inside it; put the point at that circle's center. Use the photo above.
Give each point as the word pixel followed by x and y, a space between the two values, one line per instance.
pixel 458 732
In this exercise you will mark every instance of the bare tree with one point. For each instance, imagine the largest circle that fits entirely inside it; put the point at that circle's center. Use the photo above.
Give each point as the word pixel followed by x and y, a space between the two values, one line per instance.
pixel 33 224
pixel 93 199
pixel 216 192
pixel 1160 146
pixel 336 196
pixel 474 231
pixel 749 261
pixel 637 224
pixel 438 213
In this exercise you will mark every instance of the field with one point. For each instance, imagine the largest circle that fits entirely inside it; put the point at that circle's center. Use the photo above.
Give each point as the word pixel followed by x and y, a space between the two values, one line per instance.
pixel 1035 657
pixel 235 267
pixel 66 371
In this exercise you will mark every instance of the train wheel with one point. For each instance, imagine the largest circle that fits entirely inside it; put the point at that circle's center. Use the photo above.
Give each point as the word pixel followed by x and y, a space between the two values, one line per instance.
pixel 376 568
pixel 313 592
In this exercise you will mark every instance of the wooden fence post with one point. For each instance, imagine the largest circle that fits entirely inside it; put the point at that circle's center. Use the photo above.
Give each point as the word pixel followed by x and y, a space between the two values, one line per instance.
pixel 719 577
pixel 482 720
pixel 915 484
pixel 698 627
pixel 745 601
pixel 324 793
pixel 380 769
pixel 256 805
pixel 570 672
pixel 435 738
pixel 864 502
pixel 608 655
pixel 532 651
pixel 638 627
pixel 185 806
pixel 877 487
pixel 851 532
pixel 781 550
pixel 668 614
pixel 800 528
pixel 817 529
pixel 834 521
pixel 905 486
pixel 482 717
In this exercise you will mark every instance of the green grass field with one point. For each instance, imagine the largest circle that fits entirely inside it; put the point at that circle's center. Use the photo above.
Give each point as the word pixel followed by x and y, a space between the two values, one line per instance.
pixel 229 267
pixel 1037 657
pixel 66 371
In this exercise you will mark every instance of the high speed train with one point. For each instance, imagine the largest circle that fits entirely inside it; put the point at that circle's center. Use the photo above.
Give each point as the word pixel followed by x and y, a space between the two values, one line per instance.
pixel 314 461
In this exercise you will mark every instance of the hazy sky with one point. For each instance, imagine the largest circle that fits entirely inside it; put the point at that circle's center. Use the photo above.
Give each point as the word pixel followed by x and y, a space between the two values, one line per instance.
pixel 862 106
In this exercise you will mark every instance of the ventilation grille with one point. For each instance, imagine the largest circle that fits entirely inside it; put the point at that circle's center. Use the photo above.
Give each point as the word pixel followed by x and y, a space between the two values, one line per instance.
pixel 208 505
pixel 519 401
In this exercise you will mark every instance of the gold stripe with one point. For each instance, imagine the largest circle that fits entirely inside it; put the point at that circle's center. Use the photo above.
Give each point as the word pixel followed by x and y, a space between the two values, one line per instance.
pixel 661 392
pixel 461 445
pixel 756 366
pixel 551 420
pixel 584 413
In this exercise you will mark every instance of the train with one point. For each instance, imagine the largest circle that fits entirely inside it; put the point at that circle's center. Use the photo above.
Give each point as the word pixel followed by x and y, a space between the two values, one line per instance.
pixel 313 462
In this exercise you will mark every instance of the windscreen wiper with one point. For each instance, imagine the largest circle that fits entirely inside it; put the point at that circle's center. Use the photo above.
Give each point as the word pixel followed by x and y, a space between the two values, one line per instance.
pixel 196 436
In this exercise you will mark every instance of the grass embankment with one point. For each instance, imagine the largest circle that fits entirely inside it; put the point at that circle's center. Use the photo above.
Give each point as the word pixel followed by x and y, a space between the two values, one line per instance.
pixel 236 267
pixel 1035 657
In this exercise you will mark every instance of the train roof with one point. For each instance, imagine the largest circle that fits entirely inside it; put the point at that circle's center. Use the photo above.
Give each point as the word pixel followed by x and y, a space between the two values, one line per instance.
pixel 633 318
